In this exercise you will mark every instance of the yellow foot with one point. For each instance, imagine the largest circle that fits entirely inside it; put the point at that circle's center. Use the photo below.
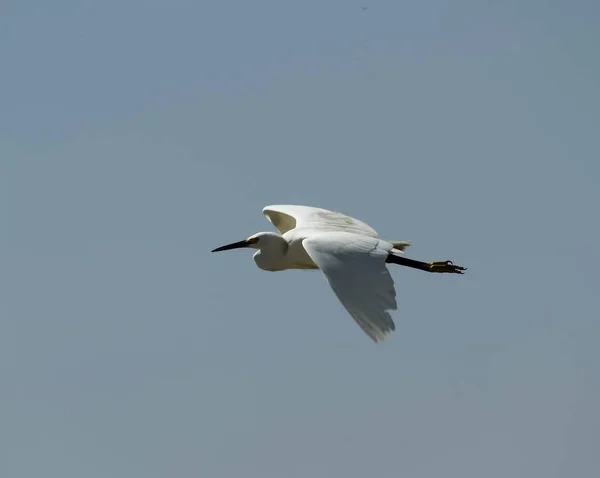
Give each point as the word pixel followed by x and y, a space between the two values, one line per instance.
pixel 445 266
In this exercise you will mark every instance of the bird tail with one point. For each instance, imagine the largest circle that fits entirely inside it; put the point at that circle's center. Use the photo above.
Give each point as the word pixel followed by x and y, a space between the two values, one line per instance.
pixel 400 245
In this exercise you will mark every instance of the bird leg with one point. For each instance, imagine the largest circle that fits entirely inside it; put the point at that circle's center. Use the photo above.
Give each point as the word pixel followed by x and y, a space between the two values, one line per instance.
pixel 438 266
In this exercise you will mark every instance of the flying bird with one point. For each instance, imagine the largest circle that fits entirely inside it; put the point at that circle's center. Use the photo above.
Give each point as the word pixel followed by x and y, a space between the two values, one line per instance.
pixel 348 252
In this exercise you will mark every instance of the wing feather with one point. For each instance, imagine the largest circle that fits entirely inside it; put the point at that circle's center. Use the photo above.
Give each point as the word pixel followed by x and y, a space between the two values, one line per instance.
pixel 356 270
pixel 288 217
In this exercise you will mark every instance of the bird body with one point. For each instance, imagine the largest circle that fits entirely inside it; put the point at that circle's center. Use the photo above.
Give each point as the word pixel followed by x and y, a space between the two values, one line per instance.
pixel 348 252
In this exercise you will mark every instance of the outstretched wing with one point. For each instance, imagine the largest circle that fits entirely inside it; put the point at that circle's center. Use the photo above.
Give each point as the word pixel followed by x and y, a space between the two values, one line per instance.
pixel 287 217
pixel 356 270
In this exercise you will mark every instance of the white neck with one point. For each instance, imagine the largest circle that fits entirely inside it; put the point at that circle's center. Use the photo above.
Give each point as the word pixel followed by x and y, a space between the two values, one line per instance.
pixel 272 249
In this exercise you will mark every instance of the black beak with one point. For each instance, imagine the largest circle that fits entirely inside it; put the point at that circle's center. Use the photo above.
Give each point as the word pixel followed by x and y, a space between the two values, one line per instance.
pixel 235 245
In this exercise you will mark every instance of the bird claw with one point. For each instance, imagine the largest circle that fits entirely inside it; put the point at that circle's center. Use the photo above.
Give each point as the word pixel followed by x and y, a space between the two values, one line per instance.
pixel 446 267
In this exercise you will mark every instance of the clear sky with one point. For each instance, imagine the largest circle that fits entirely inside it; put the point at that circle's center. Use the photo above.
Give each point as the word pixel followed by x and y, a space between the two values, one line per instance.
pixel 136 136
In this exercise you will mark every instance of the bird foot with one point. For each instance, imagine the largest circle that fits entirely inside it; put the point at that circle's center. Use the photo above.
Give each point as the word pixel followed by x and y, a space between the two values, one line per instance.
pixel 445 266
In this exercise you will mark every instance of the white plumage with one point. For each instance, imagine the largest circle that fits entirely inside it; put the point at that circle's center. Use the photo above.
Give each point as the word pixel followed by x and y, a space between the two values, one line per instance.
pixel 348 252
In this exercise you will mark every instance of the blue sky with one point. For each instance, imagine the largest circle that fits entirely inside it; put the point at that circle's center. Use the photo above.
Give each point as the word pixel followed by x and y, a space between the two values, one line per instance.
pixel 137 136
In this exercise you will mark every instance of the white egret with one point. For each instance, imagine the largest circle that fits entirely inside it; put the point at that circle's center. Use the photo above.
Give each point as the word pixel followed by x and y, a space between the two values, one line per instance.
pixel 347 251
